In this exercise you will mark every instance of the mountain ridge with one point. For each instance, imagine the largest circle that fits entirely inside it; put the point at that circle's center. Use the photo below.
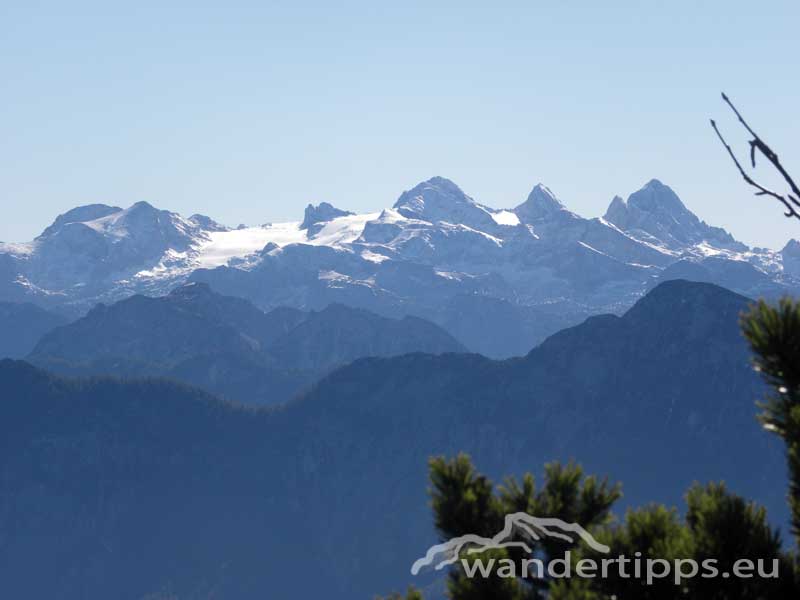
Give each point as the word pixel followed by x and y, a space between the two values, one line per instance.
pixel 226 345
pixel 434 246
pixel 124 476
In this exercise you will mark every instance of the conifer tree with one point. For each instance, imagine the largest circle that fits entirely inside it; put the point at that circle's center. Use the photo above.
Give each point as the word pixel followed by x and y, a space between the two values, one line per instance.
pixel 411 594
pixel 464 501
pixel 774 335
pixel 718 525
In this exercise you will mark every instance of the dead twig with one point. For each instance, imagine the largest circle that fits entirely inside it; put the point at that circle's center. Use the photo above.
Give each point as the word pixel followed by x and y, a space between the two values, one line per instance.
pixel 791 201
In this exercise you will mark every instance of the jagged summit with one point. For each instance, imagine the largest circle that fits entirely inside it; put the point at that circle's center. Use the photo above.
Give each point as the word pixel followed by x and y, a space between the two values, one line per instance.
pixel 541 203
pixel 436 192
pixel 617 207
pixel 141 205
pixel 80 214
pixel 441 185
pixel 439 199
pixel 657 215
pixel 655 190
pixel 435 248
pixel 207 223
pixel 147 230
pixel 321 213
pixel 653 198
pixel 791 258
pixel 792 247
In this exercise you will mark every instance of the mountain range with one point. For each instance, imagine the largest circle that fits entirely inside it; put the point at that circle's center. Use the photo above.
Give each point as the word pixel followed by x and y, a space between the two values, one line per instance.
pixel 228 346
pixel 137 489
pixel 499 280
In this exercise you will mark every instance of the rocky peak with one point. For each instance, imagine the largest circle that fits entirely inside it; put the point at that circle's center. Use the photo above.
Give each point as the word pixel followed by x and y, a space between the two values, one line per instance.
pixel 321 213
pixel 116 242
pixel 142 212
pixel 792 248
pixel 439 199
pixel 80 214
pixel 207 223
pixel 791 258
pixel 617 210
pixel 656 213
pixel 657 197
pixel 541 204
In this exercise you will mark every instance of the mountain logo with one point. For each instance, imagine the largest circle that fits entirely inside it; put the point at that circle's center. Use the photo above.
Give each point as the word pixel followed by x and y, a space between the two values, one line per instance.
pixel 520 530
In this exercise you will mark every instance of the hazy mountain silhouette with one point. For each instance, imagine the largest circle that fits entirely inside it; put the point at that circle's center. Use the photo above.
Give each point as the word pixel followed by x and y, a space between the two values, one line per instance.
pixel 226 345
pixel 21 326
pixel 340 334
pixel 122 489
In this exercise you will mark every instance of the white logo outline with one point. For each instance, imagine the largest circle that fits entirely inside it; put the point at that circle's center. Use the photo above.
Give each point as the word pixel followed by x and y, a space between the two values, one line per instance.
pixel 521 521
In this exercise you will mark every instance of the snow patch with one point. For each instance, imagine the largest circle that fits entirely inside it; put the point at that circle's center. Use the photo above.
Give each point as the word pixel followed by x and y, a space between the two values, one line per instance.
pixel 18 249
pixel 172 263
pixel 452 275
pixel 461 227
pixel 339 280
pixel 373 257
pixel 24 282
pixel 223 246
pixel 342 230
pixel 226 245
pixel 505 217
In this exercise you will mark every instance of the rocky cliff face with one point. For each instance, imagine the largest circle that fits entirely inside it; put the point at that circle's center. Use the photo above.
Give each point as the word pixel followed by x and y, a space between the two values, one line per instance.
pixel 656 214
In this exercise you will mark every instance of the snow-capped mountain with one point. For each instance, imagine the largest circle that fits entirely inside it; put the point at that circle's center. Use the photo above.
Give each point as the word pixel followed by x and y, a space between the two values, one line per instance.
pixel 656 215
pixel 97 251
pixel 436 253
pixel 790 257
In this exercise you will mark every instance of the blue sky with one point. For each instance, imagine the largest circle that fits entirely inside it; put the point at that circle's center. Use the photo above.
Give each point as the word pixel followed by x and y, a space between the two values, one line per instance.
pixel 247 111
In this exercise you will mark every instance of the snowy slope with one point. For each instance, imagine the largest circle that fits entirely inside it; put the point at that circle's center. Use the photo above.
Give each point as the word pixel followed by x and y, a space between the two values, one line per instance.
pixel 435 245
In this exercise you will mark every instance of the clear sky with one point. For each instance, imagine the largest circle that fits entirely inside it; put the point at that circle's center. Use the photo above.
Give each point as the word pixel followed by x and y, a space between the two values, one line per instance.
pixel 247 111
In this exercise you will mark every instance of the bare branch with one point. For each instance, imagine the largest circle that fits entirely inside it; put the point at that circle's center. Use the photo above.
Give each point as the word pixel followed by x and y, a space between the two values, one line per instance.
pixel 762 191
pixel 790 201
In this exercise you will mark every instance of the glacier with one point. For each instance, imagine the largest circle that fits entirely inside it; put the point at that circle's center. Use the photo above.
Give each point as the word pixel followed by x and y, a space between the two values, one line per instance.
pixel 437 253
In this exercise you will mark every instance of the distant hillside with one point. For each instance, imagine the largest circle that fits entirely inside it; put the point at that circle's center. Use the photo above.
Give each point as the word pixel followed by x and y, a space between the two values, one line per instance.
pixel 115 489
pixel 21 326
pixel 339 334
pixel 658 398
pixel 228 346
pixel 124 489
